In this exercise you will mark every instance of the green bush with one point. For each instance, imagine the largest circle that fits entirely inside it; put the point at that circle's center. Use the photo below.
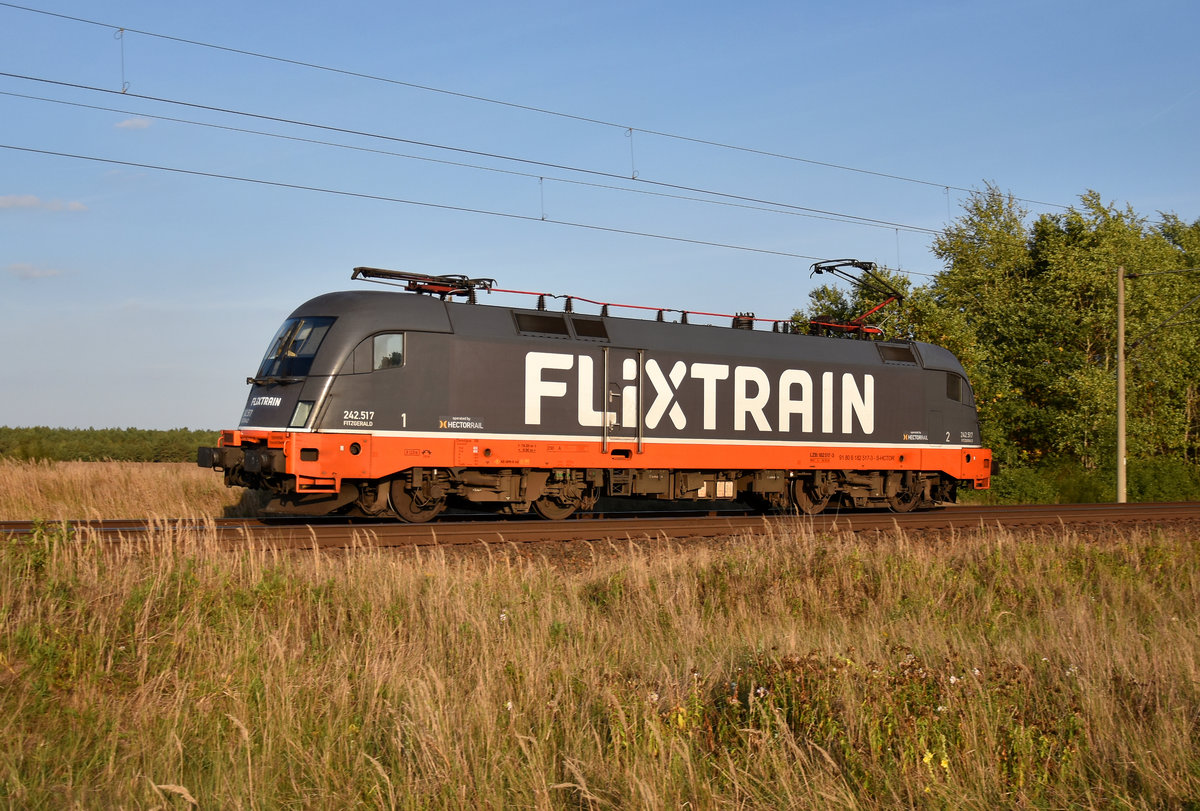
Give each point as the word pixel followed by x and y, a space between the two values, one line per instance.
pixel 1023 485
pixel 1078 486
pixel 1062 481
pixel 102 444
pixel 1163 480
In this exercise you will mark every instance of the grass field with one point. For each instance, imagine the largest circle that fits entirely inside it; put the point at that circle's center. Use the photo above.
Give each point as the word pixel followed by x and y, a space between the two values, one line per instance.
pixel 800 670
pixel 56 491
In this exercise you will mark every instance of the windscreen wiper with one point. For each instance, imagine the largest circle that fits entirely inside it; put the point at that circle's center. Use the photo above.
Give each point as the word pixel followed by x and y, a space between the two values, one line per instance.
pixel 282 381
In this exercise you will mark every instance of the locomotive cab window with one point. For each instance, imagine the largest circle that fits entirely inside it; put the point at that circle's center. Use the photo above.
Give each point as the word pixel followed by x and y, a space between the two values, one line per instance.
pixel 292 349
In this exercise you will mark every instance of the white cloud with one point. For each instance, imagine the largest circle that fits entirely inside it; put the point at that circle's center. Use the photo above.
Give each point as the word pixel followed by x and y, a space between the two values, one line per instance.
pixel 24 270
pixel 35 202
pixel 133 124
pixel 19 201
pixel 70 205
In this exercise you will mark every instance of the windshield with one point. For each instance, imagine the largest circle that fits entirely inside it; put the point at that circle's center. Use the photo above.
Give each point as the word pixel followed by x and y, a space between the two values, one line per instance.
pixel 291 351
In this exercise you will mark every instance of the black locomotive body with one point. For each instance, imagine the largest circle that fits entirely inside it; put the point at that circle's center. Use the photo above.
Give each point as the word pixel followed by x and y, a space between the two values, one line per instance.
pixel 396 401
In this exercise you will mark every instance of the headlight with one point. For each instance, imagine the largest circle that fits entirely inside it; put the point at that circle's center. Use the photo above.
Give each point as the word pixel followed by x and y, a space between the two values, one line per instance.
pixel 301 414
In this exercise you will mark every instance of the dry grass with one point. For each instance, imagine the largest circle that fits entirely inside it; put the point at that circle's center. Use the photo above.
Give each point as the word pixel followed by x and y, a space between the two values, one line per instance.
pixel 56 491
pixel 795 671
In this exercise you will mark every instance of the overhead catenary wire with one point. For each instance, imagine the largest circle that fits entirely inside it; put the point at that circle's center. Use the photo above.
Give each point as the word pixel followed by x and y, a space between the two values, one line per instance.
pixel 1170 321
pixel 427 204
pixel 475 152
pixel 400 200
pixel 1161 273
pixel 511 105
pixel 461 164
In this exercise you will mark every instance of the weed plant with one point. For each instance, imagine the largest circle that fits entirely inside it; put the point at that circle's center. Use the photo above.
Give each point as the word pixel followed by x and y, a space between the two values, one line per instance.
pixel 792 670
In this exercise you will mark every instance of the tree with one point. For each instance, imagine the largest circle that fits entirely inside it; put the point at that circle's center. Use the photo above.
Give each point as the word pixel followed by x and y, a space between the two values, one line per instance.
pixel 1081 251
pixel 1031 311
pixel 987 305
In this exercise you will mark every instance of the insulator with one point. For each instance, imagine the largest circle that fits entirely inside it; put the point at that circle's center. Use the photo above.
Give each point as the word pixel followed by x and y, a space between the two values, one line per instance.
pixel 541 302
pixel 569 308
pixel 659 317
pixel 604 311
pixel 683 318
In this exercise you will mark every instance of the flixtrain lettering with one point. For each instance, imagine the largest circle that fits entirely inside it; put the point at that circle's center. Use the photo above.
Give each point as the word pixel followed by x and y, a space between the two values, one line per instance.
pixel 788 401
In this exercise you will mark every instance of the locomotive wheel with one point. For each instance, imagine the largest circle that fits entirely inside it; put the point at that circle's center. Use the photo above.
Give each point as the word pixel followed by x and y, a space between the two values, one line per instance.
pixel 551 509
pixel 806 500
pixel 904 501
pixel 412 506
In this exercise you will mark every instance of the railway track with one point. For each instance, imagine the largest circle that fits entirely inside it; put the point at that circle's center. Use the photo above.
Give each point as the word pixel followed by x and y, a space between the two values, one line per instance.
pixel 341 533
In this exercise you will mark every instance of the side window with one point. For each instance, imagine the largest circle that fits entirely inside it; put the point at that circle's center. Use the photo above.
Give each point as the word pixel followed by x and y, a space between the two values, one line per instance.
pixel 953 387
pixel 389 351
pixel 958 389
pixel 384 351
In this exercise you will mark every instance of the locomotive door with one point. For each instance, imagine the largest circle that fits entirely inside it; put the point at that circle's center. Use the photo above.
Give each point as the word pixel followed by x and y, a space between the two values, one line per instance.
pixel 937 433
pixel 622 399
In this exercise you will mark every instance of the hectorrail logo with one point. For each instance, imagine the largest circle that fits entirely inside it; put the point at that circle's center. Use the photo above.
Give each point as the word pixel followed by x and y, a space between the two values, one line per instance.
pixel 459 423
pixel 791 400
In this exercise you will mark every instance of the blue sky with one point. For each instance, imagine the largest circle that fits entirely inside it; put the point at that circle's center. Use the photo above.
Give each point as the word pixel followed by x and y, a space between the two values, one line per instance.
pixel 134 296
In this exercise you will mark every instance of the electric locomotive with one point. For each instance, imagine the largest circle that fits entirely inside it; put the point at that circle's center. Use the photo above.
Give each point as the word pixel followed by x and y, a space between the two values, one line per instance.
pixel 402 401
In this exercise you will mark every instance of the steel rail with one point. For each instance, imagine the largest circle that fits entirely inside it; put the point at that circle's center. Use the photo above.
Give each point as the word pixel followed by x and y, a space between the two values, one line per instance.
pixel 341 533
